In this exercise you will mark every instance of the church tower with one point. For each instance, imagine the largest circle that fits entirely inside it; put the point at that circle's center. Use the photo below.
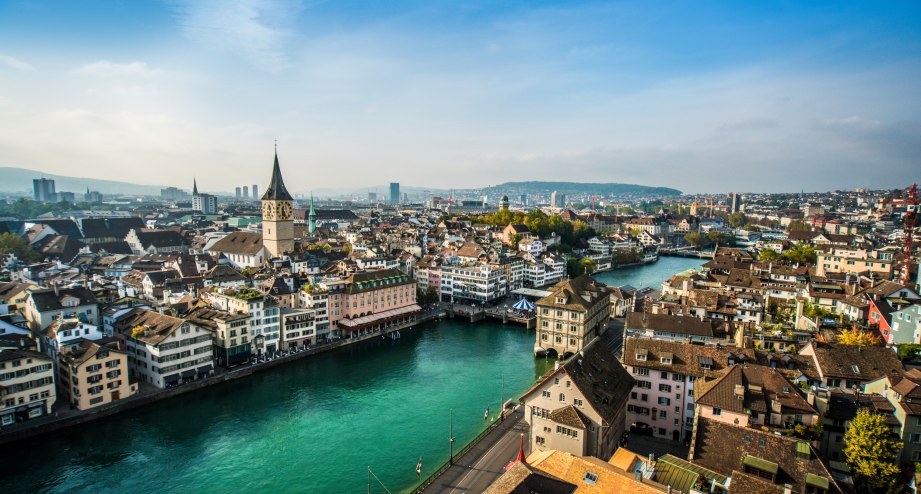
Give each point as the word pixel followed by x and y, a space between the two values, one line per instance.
pixel 277 219
pixel 311 217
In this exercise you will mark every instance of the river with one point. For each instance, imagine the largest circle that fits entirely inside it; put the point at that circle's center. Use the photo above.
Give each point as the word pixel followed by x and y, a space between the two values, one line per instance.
pixel 314 425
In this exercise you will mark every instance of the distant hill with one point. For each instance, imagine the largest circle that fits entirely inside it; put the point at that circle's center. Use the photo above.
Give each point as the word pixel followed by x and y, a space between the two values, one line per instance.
pixel 20 180
pixel 572 188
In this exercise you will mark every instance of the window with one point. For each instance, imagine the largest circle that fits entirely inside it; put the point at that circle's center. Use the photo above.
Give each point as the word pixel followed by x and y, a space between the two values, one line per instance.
pixel 665 387
pixel 662 414
pixel 717 411
pixel 545 394
pixel 664 375
pixel 644 384
pixel 577 402
pixel 539 440
pixel 665 401
pixel 644 397
pixel 562 398
pixel 633 395
pixel 641 371
pixel 590 478
pixel 916 438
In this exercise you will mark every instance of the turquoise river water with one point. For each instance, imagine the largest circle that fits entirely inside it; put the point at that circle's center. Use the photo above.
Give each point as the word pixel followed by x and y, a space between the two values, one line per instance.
pixel 314 425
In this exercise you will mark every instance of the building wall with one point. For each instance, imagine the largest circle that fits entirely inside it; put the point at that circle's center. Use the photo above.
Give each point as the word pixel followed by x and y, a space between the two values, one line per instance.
pixel 97 381
pixel 569 330
pixel 27 382
pixel 188 347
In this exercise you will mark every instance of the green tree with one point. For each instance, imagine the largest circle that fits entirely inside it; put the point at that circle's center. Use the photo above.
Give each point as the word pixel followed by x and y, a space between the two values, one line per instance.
pixel 10 243
pixel 801 253
pixel 737 219
pixel 588 265
pixel 715 237
pixel 574 267
pixel 768 255
pixel 871 451
pixel 696 240
pixel 798 226
pixel 426 297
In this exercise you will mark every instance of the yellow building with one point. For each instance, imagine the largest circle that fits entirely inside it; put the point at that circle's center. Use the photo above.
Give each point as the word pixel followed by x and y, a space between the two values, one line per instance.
pixel 572 315
pixel 95 373
pixel 26 386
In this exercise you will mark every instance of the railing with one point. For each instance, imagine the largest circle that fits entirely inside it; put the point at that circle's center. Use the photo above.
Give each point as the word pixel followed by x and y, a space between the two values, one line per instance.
pixel 431 478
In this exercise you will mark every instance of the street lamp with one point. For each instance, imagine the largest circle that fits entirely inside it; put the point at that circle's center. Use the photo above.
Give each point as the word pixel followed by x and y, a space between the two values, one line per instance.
pixel 451 436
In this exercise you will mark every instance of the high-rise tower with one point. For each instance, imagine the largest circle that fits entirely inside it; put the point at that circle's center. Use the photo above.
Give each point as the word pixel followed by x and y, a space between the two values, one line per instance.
pixel 277 219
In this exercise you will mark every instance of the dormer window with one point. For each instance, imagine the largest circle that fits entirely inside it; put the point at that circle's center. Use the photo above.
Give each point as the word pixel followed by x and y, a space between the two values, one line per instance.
pixel 666 358
pixel 641 354
pixel 855 369
pixel 706 363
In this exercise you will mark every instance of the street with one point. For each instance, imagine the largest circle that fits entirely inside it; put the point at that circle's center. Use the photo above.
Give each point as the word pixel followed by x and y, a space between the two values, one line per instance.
pixel 486 461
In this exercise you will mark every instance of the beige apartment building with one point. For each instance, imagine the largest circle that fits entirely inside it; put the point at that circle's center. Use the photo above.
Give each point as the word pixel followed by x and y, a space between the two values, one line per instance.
pixel 95 373
pixel 856 261
pixel 26 386
pixel 572 315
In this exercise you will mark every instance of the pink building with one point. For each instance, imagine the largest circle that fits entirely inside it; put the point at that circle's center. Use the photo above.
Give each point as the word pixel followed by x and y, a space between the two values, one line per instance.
pixel 370 300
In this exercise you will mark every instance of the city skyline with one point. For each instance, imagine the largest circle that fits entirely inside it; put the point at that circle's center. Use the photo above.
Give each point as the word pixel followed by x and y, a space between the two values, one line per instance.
pixel 449 96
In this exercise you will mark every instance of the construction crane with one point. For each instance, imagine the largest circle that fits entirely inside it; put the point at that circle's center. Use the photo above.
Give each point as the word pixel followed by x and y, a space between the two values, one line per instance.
pixel 909 219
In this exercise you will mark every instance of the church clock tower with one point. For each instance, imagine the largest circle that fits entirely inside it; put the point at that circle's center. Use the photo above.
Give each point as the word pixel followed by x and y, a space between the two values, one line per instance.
pixel 277 219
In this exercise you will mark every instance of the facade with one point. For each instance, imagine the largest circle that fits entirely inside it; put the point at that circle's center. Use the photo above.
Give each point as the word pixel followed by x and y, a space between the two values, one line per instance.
pixel 66 332
pixel 26 386
pixel 263 311
pixel 203 203
pixel 242 249
pixel 476 284
pixel 369 299
pixel 906 325
pixel 575 312
pixel 394 193
pixel 230 333
pixel 43 190
pixel 665 374
pixel 43 306
pixel 855 261
pixel 165 350
pixel 95 373
pixel 277 219
pixel 579 408
pixel 299 328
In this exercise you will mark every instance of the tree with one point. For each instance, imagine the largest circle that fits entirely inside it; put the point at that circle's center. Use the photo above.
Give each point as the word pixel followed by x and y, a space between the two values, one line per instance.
pixel 426 297
pixel 798 226
pixel 588 265
pixel 10 243
pixel 768 255
pixel 574 267
pixel 720 238
pixel 856 337
pixel 737 219
pixel 801 253
pixel 697 240
pixel 871 452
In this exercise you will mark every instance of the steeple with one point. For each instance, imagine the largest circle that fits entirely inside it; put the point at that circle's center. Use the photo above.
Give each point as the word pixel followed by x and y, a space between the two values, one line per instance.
pixel 276 190
pixel 194 187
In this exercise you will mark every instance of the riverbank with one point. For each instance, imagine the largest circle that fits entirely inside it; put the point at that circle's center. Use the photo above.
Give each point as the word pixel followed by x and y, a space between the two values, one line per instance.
pixel 57 422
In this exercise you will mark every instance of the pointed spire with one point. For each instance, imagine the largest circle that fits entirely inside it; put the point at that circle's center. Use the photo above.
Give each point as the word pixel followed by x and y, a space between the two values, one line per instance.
pixel 521 458
pixel 276 190
pixel 312 212
pixel 194 186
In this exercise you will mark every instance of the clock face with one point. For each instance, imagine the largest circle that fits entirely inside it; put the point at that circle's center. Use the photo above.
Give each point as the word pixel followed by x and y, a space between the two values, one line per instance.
pixel 284 211
pixel 268 211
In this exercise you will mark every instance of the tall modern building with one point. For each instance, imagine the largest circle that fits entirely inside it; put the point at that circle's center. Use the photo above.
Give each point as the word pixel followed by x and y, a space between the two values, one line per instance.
pixel 255 191
pixel 173 194
pixel 735 203
pixel 557 199
pixel 372 197
pixel 245 192
pixel 394 193
pixel 277 217
pixel 523 199
pixel 206 203
pixel 239 193
pixel 43 189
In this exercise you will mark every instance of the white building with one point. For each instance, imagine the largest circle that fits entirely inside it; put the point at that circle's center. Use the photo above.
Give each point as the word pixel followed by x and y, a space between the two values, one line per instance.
pixel 473 284
pixel 26 386
pixel 165 350
pixel 264 312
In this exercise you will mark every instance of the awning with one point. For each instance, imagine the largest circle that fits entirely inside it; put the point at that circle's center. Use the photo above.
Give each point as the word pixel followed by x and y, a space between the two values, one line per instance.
pixel 379 317
pixel 171 378
pixel 206 369
pixel 523 304
pixel 188 373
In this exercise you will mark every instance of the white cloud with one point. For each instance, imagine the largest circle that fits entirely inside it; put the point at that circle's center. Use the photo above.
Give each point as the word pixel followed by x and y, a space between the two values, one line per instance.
pixel 255 29
pixel 107 69
pixel 15 63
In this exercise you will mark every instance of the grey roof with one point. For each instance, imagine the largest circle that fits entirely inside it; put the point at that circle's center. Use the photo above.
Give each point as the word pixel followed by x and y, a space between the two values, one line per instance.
pixel 276 190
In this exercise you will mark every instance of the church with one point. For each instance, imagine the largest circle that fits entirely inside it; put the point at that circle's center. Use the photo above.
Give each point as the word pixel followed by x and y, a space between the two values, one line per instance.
pixel 252 249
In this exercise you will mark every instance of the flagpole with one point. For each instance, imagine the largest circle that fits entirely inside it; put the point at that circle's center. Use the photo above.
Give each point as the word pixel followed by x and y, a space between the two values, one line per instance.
pixel 369 479
pixel 451 436
pixel 502 405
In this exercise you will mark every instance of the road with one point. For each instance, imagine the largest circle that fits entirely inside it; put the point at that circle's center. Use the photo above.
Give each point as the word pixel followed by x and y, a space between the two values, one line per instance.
pixel 485 462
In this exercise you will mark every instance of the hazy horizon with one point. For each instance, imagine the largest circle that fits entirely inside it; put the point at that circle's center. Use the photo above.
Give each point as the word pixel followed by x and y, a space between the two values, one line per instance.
pixel 701 97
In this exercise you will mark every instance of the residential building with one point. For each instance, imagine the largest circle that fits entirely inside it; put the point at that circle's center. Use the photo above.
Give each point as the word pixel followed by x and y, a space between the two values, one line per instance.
pixel 666 373
pixel 263 311
pixel 669 326
pixel 241 249
pixel 371 299
pixel 575 312
pixel 27 388
pixel 906 325
pixel 165 350
pixel 230 334
pixel 95 373
pixel 758 461
pixel 580 407
pixel 477 284
pixel 851 367
pixel 847 260
pixel 64 332
pixel 44 306
pixel 149 241
pixel 203 203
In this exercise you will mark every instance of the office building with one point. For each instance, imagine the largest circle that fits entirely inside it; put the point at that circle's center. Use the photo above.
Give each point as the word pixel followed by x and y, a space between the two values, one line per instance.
pixel 394 193
pixel 43 189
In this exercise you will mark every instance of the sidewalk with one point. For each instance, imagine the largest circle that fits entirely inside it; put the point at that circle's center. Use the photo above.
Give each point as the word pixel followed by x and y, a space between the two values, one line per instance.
pixel 485 462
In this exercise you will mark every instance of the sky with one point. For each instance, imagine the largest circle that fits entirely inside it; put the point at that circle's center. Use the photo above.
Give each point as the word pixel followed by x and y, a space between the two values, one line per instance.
pixel 754 96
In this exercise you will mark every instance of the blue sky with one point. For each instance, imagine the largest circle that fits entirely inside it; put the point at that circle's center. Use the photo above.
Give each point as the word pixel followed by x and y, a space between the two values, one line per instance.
pixel 701 96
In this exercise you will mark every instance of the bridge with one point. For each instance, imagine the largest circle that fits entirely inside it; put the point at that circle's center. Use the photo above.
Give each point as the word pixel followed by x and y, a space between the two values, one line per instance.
pixel 686 252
